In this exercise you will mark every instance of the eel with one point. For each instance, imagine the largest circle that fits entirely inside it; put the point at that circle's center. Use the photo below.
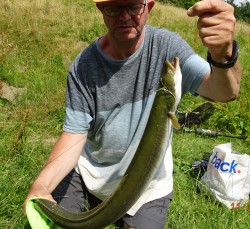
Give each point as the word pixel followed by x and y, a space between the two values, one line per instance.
pixel 149 155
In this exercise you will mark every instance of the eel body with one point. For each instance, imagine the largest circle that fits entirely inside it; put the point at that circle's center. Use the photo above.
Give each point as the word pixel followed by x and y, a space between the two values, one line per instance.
pixel 149 155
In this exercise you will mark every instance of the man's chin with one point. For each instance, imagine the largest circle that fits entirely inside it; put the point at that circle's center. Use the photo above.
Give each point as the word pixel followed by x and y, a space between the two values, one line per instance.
pixel 126 37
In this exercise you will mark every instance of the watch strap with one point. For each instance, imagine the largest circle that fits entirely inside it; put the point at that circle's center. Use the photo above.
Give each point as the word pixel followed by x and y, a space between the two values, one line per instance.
pixel 231 62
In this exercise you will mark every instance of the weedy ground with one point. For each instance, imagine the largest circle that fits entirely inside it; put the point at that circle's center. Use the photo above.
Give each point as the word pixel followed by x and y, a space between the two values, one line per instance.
pixel 38 41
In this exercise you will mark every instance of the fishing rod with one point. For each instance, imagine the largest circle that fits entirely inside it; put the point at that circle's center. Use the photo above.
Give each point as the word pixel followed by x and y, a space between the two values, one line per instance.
pixel 212 133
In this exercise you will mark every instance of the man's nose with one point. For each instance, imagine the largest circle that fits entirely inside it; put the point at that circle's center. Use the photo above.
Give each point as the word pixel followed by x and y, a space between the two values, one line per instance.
pixel 124 13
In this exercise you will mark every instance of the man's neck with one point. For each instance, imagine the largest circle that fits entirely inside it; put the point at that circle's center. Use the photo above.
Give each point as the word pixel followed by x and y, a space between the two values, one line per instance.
pixel 120 50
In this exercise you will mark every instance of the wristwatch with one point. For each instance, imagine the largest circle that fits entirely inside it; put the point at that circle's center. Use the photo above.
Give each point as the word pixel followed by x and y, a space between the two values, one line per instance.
pixel 231 62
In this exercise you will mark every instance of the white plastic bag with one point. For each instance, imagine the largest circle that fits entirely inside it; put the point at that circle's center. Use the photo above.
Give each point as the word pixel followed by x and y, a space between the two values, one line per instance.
pixel 227 176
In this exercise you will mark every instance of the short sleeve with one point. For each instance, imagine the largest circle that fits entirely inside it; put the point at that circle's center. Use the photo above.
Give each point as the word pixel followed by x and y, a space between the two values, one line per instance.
pixel 193 72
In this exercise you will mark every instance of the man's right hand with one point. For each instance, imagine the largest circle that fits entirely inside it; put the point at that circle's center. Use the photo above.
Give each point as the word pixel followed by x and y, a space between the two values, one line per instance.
pixel 61 161
pixel 37 190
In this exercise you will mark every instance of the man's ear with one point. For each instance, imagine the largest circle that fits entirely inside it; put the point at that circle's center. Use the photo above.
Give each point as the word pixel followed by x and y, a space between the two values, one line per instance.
pixel 151 4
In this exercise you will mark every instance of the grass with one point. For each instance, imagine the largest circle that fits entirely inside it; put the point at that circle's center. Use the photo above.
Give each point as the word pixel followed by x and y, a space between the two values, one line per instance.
pixel 38 41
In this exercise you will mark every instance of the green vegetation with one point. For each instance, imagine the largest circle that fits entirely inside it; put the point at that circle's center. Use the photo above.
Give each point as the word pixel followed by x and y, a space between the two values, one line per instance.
pixel 38 41
pixel 242 10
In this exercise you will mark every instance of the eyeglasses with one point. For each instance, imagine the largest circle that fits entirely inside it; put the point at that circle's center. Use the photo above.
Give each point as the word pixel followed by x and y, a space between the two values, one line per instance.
pixel 132 9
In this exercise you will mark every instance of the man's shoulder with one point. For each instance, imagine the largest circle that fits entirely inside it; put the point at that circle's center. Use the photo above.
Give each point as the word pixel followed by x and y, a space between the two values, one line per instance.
pixel 89 50
pixel 87 53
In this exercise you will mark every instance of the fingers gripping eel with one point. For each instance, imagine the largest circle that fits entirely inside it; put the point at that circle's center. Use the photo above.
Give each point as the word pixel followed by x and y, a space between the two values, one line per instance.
pixel 148 156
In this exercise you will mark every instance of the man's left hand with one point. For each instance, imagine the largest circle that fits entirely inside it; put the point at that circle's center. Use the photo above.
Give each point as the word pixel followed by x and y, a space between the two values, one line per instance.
pixel 216 25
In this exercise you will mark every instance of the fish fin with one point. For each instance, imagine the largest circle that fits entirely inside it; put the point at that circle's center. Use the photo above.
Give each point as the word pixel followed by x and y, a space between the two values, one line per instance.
pixel 174 120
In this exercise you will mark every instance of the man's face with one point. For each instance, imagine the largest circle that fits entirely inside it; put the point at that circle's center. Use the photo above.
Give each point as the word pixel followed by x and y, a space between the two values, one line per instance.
pixel 125 26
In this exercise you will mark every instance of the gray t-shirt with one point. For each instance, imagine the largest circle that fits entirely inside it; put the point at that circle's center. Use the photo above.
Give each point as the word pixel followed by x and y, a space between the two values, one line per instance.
pixel 111 100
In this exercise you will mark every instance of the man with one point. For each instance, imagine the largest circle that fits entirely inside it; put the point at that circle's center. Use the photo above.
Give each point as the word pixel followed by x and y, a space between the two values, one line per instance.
pixel 110 90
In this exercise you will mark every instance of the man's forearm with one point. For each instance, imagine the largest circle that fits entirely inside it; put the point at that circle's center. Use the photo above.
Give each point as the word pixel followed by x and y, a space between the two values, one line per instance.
pixel 62 160
pixel 222 85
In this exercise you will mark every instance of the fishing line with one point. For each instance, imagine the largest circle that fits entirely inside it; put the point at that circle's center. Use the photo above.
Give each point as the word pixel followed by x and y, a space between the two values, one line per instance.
pixel 65 151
